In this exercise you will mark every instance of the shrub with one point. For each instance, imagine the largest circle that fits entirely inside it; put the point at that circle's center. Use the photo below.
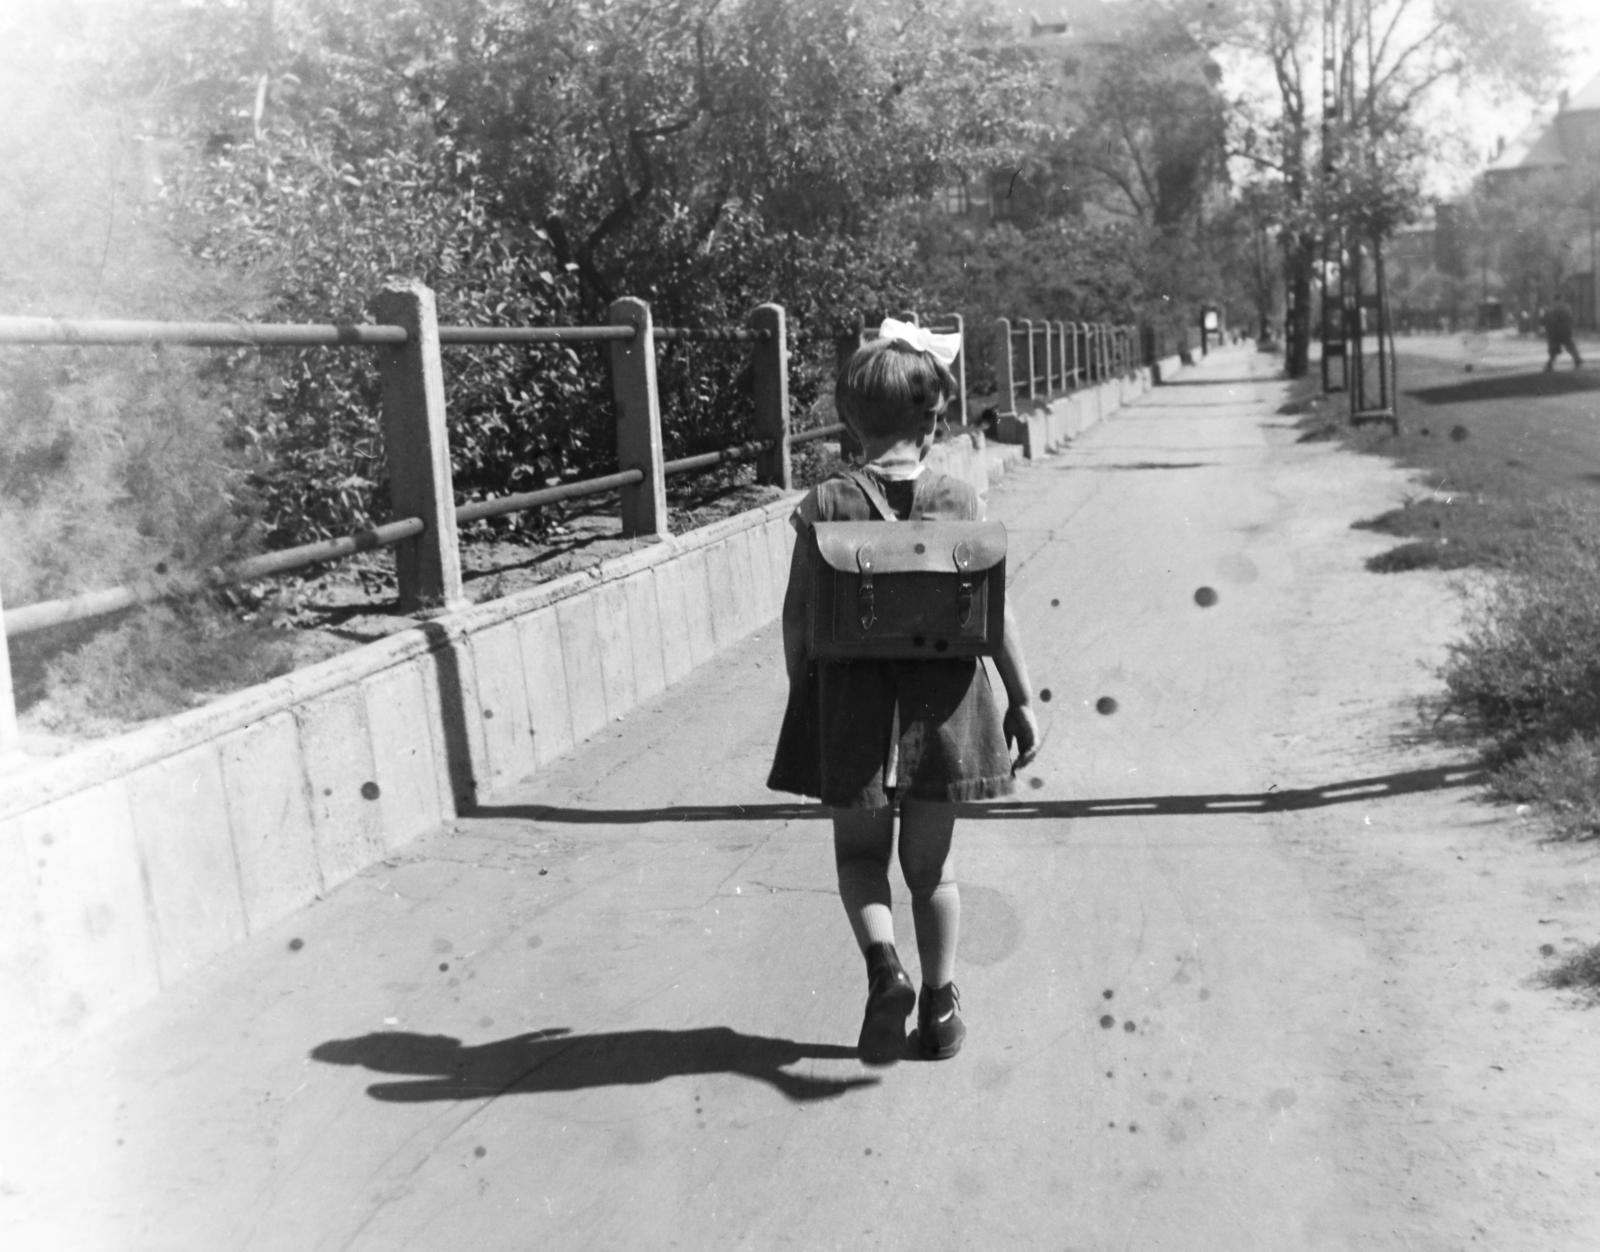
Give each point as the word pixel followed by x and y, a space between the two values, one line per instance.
pixel 152 663
pixel 1563 778
pixel 1527 672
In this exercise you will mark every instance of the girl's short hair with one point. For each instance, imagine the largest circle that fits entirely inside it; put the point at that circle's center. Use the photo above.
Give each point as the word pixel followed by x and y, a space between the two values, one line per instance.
pixel 889 388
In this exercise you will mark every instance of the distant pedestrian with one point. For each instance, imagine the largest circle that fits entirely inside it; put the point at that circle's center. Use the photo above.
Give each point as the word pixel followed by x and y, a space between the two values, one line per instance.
pixel 1558 334
pixel 873 737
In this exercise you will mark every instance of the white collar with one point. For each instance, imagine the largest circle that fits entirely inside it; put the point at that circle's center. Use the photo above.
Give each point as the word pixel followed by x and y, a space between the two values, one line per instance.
pixel 896 473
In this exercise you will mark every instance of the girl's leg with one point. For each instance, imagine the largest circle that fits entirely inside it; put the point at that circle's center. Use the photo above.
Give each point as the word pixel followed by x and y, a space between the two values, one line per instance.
pixel 863 840
pixel 926 861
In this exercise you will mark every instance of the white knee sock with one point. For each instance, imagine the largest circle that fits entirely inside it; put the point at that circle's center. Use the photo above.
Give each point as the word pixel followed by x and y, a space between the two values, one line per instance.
pixel 937 915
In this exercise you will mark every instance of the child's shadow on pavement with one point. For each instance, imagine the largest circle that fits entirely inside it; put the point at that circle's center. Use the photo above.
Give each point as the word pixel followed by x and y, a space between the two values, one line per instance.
pixel 558 1060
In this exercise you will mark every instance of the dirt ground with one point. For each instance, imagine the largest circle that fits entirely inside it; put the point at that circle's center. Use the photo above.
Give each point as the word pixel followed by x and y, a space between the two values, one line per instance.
pixel 1246 961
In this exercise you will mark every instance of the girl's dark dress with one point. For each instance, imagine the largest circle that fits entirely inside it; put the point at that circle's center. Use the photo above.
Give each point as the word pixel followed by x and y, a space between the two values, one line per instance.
pixel 865 734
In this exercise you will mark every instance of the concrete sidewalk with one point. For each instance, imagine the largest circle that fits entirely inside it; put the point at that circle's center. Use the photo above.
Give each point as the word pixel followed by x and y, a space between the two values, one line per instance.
pixel 617 1006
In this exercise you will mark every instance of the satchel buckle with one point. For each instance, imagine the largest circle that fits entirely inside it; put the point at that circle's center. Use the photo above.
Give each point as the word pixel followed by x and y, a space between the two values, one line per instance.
pixel 962 555
pixel 864 561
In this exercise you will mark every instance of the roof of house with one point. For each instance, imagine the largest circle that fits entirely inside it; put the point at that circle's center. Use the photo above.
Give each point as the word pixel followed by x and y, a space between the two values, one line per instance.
pixel 1539 145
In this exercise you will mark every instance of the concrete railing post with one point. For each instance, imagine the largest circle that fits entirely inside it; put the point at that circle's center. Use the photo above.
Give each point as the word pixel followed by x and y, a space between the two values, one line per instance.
pixel 769 385
pixel 1026 323
pixel 8 698
pixel 416 448
pixel 960 369
pixel 633 384
pixel 1005 368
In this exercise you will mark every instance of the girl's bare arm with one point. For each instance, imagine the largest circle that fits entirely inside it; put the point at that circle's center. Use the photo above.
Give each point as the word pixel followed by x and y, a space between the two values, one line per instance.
pixel 1021 723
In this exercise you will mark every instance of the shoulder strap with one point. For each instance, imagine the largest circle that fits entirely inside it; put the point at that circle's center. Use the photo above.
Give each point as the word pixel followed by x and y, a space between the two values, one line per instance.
pixel 874 494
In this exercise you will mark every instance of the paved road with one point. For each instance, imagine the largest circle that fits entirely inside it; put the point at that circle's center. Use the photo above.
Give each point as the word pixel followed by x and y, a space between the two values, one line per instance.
pixel 616 1008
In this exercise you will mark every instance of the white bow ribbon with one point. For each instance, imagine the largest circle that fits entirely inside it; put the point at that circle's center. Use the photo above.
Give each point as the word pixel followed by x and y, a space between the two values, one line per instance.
pixel 943 348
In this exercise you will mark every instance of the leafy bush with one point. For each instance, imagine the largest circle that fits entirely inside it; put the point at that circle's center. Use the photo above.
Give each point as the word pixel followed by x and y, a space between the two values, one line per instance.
pixel 153 663
pixel 1527 672
pixel 1563 778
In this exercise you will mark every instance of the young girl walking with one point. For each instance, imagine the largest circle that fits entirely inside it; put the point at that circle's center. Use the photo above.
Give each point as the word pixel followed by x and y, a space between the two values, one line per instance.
pixel 871 738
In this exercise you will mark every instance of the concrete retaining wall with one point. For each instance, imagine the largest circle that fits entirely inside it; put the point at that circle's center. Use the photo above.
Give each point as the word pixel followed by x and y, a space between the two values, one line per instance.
pixel 1040 425
pixel 133 861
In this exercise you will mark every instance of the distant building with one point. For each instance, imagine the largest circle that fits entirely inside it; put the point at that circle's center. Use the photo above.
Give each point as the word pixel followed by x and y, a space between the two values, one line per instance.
pixel 1552 141
pixel 1568 139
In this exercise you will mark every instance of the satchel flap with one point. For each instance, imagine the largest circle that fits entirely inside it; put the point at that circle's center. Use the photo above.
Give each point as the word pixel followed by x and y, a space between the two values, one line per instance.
pixel 912 547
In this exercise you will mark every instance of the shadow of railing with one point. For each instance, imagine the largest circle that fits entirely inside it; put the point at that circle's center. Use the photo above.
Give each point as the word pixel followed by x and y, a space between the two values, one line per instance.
pixel 1273 800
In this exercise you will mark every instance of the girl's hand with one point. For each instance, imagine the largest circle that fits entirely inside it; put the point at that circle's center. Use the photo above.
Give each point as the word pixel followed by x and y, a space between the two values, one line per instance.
pixel 1022 727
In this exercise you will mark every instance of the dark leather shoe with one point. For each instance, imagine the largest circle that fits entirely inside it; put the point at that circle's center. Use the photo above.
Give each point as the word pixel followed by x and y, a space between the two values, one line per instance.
pixel 890 999
pixel 940 1031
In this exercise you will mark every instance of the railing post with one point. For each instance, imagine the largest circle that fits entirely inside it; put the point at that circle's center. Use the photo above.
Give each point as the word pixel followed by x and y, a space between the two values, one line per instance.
pixel 416 448
pixel 1049 358
pixel 960 370
pixel 633 384
pixel 1006 369
pixel 1026 323
pixel 8 698
pixel 769 379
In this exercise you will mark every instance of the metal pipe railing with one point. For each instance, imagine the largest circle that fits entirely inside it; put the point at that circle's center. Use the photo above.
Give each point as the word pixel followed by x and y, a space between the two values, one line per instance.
pixel 817 432
pixel 705 460
pixel 416 439
pixel 47 613
pixel 105 332
pixel 52 330
pixel 499 506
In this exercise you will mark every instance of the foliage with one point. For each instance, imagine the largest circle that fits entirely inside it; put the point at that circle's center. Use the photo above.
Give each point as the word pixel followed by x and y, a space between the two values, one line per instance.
pixel 1563 778
pixel 1059 269
pixel 1393 58
pixel 1149 140
pixel 1530 231
pixel 1528 670
pixel 531 162
pixel 151 664
pixel 115 461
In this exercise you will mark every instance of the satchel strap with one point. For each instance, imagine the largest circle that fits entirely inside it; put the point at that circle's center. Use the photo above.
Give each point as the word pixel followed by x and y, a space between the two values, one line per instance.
pixel 875 497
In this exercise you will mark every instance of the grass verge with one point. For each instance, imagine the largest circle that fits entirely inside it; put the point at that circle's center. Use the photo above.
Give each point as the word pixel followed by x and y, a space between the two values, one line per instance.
pixel 1524 680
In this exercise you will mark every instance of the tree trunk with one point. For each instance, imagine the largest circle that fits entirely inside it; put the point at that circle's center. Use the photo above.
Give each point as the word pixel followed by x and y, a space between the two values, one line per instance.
pixel 1300 258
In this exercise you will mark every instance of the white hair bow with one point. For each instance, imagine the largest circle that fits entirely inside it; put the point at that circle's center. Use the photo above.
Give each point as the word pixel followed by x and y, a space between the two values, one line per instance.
pixel 943 348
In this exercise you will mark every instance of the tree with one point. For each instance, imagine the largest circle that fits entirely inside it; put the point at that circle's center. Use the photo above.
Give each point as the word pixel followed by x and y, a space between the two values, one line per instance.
pixel 1149 138
pixel 1390 59
pixel 531 160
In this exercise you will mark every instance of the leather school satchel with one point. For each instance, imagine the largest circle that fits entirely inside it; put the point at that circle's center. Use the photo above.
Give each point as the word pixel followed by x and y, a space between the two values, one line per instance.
pixel 914 590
